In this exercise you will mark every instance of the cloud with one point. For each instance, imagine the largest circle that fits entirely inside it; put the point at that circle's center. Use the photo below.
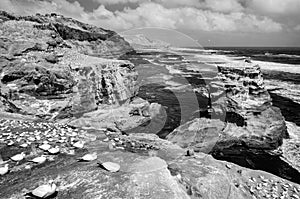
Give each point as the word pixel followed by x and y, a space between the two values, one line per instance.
pixel 224 5
pixel 155 15
pixel 107 2
pixel 29 7
pixel 282 7
pixel 215 5
pixel 216 17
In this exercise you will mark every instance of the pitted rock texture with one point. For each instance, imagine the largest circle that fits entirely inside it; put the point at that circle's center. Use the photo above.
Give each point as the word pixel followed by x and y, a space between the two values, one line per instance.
pixel 240 88
pixel 55 67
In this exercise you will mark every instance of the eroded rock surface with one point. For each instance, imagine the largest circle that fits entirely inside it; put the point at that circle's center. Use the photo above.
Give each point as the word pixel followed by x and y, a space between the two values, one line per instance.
pixel 54 65
pixel 56 68
pixel 246 117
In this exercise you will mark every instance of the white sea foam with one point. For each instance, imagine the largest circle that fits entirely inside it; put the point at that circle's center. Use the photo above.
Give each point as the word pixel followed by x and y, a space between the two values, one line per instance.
pixel 284 89
pixel 277 55
pixel 209 59
pixel 291 68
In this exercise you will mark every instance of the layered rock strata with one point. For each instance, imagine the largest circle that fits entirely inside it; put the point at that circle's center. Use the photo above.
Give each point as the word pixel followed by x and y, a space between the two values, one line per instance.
pixel 57 68
pixel 248 119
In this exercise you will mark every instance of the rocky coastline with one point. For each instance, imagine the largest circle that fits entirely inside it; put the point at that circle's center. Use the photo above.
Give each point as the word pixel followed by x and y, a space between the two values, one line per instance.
pixel 63 85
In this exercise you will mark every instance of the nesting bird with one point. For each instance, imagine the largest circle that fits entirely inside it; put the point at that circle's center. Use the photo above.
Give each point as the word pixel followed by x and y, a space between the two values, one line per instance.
pixel 78 145
pixel 39 160
pixel 45 190
pixel 45 146
pixel 4 169
pixel 110 166
pixel 18 157
pixel 54 150
pixel 88 157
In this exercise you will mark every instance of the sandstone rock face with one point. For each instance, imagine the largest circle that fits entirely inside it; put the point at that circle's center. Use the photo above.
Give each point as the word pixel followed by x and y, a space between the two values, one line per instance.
pixel 248 118
pixel 53 67
pixel 243 89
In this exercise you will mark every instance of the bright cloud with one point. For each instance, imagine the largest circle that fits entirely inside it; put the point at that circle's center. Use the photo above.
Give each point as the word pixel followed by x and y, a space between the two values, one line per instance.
pixel 208 15
pixel 155 15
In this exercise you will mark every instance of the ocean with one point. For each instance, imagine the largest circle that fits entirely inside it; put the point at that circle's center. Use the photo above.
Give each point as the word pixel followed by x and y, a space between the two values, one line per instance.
pixel 284 55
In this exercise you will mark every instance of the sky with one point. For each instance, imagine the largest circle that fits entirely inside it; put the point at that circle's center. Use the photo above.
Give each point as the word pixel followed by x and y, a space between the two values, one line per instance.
pixel 206 22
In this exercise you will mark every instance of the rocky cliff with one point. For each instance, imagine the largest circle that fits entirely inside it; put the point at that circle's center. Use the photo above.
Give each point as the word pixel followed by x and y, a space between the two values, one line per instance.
pixel 140 41
pixel 248 119
pixel 55 67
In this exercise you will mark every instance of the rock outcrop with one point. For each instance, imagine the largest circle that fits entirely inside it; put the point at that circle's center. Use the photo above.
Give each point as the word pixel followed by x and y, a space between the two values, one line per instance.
pixel 57 68
pixel 239 88
pixel 249 120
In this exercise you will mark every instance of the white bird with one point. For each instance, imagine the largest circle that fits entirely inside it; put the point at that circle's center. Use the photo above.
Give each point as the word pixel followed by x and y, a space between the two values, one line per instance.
pixel 4 169
pixel 78 145
pixel 18 157
pixel 45 190
pixel 110 166
pixel 24 145
pixel 45 146
pixel 89 157
pixel 39 160
pixel 54 150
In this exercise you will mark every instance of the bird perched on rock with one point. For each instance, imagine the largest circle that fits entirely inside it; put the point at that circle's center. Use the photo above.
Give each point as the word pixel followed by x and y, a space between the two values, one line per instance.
pixel 18 157
pixel 45 190
pixel 45 147
pixel 78 145
pixel 54 150
pixel 110 166
pixel 4 169
pixel 39 160
pixel 88 157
